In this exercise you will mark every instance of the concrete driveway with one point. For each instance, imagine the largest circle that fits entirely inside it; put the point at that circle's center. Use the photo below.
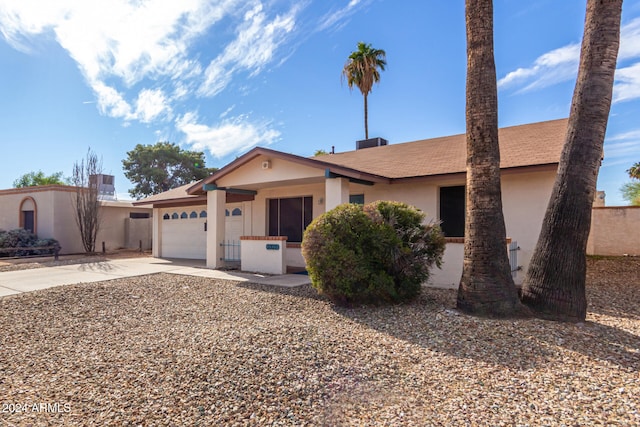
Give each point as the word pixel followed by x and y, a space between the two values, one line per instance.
pixel 15 282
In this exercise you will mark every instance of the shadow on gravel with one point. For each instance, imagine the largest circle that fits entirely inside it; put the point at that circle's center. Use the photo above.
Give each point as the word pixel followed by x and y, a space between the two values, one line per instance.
pixel 304 291
pixel 432 322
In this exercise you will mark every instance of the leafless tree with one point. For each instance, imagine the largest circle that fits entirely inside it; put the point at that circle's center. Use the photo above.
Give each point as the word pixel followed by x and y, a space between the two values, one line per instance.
pixel 87 212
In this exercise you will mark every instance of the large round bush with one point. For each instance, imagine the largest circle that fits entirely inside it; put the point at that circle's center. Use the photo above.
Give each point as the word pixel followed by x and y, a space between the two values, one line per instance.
pixel 380 252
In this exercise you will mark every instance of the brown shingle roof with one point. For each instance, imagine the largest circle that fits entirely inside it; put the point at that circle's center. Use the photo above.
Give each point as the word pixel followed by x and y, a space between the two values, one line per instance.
pixel 524 145
pixel 178 193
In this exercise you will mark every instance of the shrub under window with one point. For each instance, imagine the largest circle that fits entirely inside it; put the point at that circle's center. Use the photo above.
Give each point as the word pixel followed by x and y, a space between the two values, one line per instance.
pixel 380 252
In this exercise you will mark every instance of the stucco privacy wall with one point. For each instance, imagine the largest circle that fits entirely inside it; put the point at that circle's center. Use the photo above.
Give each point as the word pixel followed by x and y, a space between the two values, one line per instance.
pixel 615 230
pixel 55 217
pixel 116 228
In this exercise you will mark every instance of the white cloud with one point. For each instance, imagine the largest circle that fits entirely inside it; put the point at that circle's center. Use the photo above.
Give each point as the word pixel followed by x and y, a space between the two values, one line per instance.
pixel 229 136
pixel 560 65
pixel 620 148
pixel 627 83
pixel 151 104
pixel 111 102
pixel 553 67
pixel 123 46
pixel 338 17
pixel 254 47
pixel 630 40
pixel 128 40
pixel 634 134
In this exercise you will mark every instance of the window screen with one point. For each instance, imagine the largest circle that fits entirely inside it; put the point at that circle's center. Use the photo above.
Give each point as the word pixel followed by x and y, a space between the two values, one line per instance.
pixel 289 217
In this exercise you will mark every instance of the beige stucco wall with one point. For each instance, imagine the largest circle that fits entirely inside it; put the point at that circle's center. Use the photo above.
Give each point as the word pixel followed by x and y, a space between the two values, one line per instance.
pixel 113 228
pixel 615 230
pixel 54 215
pixel 55 218
pixel 279 171
pixel 525 198
pixel 137 230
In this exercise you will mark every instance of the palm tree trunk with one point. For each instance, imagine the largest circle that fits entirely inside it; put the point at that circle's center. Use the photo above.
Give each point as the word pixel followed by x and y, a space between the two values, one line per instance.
pixel 555 282
pixel 366 117
pixel 486 286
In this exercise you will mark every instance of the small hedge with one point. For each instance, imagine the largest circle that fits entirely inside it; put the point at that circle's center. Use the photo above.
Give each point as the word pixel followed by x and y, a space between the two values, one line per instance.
pixel 21 238
pixel 380 252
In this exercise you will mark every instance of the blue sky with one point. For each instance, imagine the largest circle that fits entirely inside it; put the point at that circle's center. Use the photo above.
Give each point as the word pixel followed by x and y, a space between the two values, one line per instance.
pixel 224 76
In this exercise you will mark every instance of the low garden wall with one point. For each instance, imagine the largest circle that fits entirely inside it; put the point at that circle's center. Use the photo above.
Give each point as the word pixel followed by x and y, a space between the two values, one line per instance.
pixel 615 230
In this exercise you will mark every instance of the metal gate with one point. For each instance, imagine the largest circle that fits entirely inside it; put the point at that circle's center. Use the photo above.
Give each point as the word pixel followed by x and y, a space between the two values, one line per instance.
pixel 231 251
pixel 513 257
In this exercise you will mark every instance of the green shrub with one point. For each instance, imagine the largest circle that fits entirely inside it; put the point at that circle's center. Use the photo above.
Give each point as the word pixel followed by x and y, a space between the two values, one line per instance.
pixel 381 252
pixel 21 238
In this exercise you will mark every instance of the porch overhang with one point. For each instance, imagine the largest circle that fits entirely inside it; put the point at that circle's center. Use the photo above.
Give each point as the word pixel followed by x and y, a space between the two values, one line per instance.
pixel 330 174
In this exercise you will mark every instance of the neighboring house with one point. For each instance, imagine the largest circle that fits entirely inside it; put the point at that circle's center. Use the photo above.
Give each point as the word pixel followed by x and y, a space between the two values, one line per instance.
pixel 265 194
pixel 49 212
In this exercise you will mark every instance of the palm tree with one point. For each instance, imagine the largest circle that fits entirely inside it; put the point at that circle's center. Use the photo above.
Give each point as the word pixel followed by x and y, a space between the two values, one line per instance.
pixel 554 285
pixel 486 286
pixel 361 70
pixel 634 171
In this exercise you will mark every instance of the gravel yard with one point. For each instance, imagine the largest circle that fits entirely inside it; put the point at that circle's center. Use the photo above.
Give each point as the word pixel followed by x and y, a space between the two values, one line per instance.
pixel 176 350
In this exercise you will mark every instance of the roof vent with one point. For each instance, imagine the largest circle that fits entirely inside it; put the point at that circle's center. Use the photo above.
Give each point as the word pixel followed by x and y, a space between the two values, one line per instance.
pixel 371 142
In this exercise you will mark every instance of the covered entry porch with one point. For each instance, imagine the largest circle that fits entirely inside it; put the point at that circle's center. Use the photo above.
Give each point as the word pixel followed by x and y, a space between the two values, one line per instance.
pixel 281 195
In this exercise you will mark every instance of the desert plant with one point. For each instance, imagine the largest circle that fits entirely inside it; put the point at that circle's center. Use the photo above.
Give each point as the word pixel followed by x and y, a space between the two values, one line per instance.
pixel 381 252
pixel 21 238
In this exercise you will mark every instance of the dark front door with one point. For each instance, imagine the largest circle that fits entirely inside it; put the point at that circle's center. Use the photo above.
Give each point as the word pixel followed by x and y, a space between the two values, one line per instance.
pixel 27 221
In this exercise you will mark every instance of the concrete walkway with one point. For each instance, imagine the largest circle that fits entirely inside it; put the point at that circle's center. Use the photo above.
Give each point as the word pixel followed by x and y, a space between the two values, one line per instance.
pixel 15 282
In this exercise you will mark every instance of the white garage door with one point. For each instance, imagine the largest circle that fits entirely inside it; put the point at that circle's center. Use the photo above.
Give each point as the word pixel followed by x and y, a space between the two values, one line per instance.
pixel 183 233
pixel 234 222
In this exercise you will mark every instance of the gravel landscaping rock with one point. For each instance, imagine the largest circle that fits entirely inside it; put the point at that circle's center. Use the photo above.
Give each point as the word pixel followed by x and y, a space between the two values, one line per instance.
pixel 176 350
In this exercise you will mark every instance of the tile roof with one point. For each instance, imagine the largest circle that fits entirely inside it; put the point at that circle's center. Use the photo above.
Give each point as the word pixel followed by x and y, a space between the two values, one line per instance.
pixel 523 145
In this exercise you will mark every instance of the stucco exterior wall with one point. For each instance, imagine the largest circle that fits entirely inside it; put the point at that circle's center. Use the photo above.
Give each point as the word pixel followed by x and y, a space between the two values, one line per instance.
pixel 113 228
pixel 525 198
pixel 64 223
pixel 55 217
pixel 278 171
pixel 615 230
pixel 524 201
pixel 138 230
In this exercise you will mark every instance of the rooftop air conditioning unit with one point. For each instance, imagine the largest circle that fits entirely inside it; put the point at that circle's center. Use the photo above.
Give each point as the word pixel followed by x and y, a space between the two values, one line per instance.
pixel 371 142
